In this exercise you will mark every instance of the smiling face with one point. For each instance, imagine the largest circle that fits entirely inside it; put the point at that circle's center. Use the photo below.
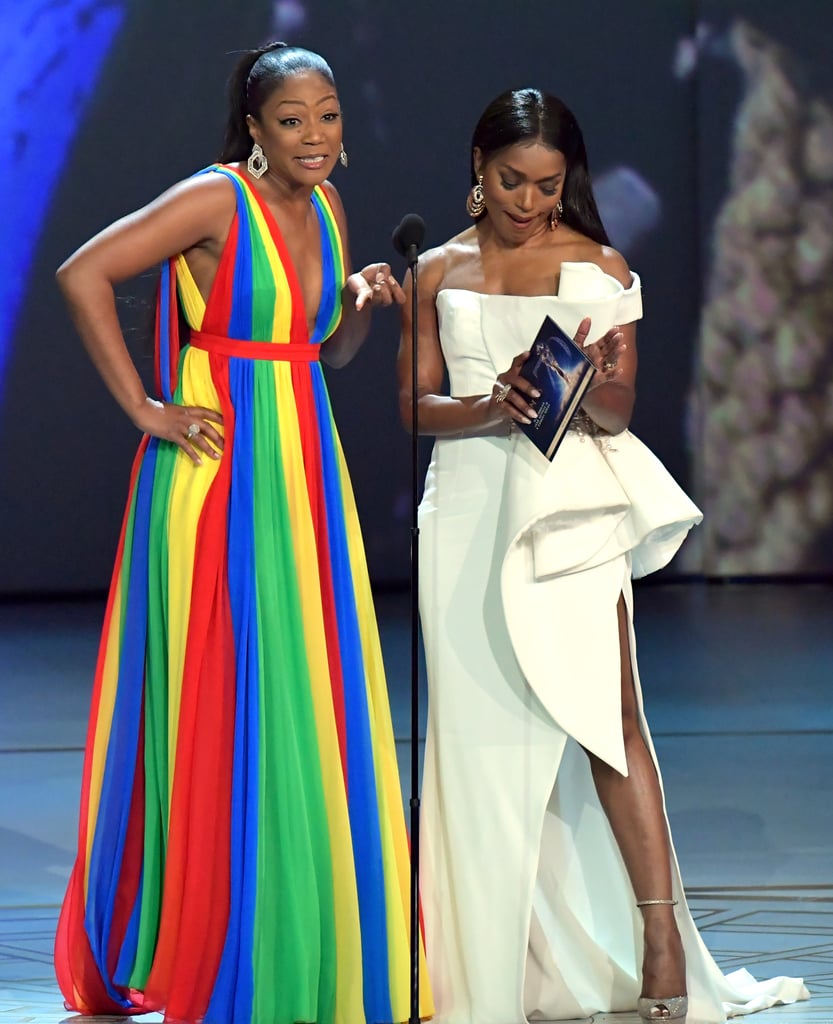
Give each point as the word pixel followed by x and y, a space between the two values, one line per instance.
pixel 522 185
pixel 299 129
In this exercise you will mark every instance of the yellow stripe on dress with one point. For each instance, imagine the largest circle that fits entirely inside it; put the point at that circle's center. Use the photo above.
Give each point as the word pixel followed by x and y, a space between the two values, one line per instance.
pixel 190 485
pixel 395 854
pixel 189 488
pixel 282 315
pixel 104 719
pixel 190 296
pixel 335 234
pixel 349 1005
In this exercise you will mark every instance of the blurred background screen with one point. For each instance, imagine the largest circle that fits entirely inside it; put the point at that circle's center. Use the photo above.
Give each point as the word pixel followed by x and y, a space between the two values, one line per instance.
pixel 709 128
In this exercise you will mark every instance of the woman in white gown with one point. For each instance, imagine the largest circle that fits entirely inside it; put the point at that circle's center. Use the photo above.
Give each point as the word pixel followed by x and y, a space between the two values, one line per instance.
pixel 543 824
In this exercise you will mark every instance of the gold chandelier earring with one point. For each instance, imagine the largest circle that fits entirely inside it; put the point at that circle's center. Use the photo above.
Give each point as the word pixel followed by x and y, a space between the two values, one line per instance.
pixel 555 215
pixel 257 163
pixel 476 202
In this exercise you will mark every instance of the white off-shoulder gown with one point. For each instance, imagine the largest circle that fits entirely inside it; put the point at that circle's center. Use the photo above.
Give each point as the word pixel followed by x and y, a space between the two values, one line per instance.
pixel 529 913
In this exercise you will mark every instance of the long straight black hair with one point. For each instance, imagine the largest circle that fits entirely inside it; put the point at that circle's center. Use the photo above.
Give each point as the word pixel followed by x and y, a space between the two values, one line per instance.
pixel 256 76
pixel 529 115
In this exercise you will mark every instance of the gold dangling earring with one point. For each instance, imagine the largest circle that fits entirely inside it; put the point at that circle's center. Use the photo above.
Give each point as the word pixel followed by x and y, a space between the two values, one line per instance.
pixel 476 202
pixel 342 156
pixel 555 215
pixel 257 163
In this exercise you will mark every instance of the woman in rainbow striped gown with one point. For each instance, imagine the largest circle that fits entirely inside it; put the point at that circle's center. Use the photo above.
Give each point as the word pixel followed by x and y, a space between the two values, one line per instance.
pixel 242 850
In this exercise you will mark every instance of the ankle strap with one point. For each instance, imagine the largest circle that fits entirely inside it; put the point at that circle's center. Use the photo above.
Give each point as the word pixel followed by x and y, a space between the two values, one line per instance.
pixel 654 903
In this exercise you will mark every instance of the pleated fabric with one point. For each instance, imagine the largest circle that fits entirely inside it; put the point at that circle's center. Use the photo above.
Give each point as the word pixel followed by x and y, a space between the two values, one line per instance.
pixel 242 854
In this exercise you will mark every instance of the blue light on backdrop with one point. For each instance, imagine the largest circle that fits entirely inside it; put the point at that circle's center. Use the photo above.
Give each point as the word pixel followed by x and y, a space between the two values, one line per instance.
pixel 50 55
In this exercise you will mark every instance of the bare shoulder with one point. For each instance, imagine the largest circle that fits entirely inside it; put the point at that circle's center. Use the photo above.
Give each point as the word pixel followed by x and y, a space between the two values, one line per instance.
pixel 331 192
pixel 215 190
pixel 583 249
pixel 204 200
pixel 434 265
pixel 440 264
pixel 192 214
pixel 614 264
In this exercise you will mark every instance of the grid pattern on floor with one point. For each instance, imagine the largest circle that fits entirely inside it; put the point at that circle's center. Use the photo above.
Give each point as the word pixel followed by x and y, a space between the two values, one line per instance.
pixel 747 763
pixel 770 932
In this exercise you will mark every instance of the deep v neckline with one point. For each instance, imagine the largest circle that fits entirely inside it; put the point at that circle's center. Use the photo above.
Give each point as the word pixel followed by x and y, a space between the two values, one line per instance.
pixel 288 264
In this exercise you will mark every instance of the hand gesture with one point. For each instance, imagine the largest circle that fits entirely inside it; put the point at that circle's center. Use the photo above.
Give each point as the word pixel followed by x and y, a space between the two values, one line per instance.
pixel 375 284
pixel 188 426
pixel 513 395
pixel 604 353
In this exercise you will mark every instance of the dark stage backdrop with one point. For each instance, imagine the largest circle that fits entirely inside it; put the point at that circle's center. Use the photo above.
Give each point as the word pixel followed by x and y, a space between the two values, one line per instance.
pixel 711 141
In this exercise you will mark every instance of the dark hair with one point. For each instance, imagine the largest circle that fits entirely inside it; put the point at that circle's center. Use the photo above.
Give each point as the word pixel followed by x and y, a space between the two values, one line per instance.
pixel 257 74
pixel 529 115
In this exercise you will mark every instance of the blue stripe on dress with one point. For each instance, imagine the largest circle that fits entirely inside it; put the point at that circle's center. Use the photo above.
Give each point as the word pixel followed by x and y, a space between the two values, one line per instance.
pixel 330 288
pixel 165 333
pixel 127 956
pixel 122 748
pixel 232 998
pixel 362 796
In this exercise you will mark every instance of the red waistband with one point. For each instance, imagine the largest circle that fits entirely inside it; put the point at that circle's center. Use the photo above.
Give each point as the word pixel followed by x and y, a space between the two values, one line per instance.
pixel 216 343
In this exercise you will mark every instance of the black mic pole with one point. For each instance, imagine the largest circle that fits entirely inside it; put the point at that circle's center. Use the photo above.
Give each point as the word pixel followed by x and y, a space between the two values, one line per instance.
pixel 407 239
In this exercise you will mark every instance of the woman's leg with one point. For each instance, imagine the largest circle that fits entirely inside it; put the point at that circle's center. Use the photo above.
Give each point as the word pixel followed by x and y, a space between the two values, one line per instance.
pixel 633 806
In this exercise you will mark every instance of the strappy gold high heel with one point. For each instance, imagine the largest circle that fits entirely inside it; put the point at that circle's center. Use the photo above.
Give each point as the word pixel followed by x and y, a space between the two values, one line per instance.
pixel 671 1008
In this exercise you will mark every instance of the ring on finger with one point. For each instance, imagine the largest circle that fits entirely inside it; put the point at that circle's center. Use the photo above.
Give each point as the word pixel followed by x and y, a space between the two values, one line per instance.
pixel 193 430
pixel 504 391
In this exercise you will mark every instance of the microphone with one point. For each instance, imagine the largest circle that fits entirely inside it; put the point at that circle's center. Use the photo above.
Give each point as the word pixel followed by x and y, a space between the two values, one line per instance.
pixel 408 237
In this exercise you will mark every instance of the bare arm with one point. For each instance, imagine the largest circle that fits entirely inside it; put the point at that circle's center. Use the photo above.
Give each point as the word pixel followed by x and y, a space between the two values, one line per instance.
pixel 374 285
pixel 195 213
pixel 440 414
pixel 609 403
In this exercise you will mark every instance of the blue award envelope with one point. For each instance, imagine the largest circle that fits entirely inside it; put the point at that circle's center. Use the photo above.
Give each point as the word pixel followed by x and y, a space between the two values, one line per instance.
pixel 559 369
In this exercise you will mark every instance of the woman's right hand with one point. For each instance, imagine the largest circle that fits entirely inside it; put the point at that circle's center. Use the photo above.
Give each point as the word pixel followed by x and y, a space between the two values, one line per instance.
pixel 513 396
pixel 187 426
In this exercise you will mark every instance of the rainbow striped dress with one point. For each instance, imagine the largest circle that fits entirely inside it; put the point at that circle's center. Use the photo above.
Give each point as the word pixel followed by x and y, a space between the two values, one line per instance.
pixel 242 849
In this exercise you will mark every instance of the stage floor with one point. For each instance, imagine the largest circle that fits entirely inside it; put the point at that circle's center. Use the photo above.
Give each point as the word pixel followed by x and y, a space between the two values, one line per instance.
pixel 737 681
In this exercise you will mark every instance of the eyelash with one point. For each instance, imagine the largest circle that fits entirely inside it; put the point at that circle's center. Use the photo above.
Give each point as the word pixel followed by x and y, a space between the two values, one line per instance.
pixel 509 185
pixel 292 122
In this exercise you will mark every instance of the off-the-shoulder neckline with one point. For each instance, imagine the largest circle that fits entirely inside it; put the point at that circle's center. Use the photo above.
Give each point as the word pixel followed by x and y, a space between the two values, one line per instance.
pixel 504 295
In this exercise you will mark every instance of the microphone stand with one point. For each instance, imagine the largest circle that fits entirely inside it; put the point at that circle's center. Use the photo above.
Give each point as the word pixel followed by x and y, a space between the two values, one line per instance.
pixel 415 803
pixel 407 239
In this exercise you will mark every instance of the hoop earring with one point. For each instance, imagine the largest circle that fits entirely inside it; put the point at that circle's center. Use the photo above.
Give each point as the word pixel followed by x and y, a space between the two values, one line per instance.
pixel 342 157
pixel 257 163
pixel 476 202
pixel 555 215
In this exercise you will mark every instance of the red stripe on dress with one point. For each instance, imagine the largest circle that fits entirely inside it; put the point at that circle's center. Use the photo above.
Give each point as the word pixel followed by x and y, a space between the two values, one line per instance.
pixel 314 473
pixel 75 967
pixel 168 268
pixel 173 322
pixel 239 348
pixel 197 872
pixel 219 303
pixel 298 331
